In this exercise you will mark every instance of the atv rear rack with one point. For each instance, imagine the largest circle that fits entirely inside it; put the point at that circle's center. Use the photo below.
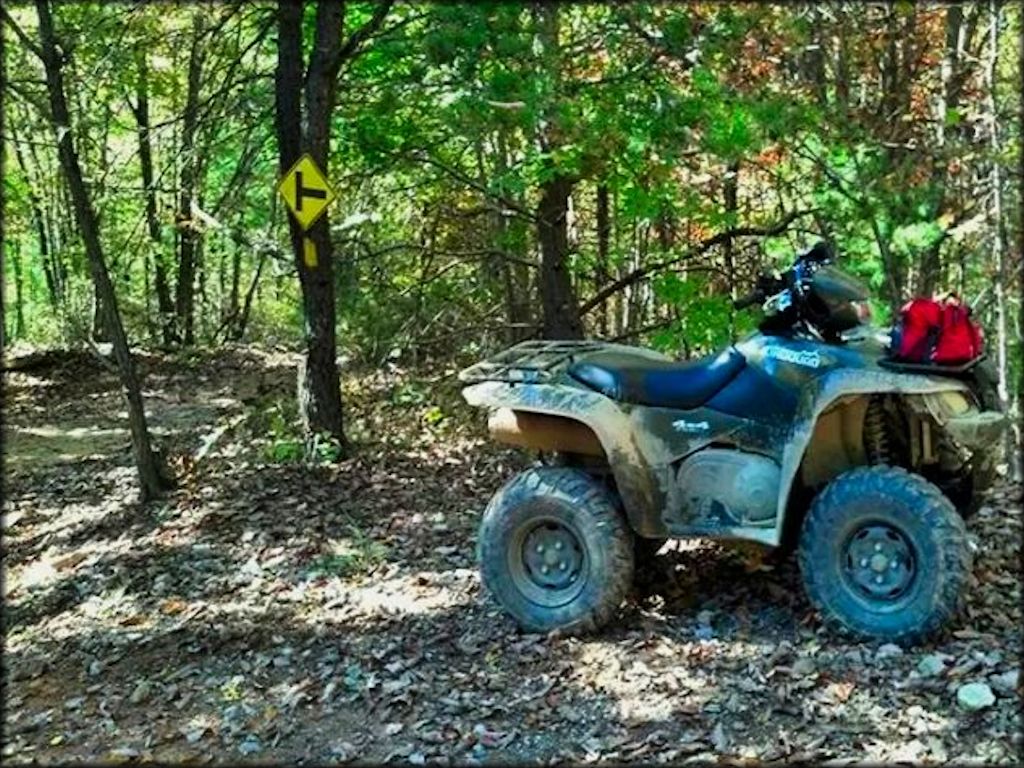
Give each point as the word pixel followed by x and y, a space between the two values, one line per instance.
pixel 529 361
pixel 937 369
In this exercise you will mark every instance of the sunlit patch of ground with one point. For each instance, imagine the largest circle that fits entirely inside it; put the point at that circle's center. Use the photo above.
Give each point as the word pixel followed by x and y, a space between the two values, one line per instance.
pixel 51 444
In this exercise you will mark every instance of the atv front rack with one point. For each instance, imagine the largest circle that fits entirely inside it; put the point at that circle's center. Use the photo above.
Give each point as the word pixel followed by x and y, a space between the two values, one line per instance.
pixel 529 361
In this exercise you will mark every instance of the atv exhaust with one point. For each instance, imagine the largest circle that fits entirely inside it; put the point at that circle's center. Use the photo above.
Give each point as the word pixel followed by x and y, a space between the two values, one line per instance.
pixel 542 432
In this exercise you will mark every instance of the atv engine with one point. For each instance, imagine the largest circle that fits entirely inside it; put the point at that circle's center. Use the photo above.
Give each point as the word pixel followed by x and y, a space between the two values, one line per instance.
pixel 722 487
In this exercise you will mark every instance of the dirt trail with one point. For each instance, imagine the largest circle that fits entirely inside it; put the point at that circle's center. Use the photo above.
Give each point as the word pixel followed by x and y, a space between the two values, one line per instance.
pixel 274 611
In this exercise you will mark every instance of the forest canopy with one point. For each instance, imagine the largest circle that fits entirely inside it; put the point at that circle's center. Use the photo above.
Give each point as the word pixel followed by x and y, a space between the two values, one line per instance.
pixel 505 171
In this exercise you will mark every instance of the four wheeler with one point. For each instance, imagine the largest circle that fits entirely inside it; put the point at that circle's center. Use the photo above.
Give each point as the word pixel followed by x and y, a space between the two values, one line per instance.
pixel 804 430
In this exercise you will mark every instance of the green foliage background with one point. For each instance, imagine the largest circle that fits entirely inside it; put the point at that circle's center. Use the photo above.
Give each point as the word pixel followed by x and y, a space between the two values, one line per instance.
pixel 436 155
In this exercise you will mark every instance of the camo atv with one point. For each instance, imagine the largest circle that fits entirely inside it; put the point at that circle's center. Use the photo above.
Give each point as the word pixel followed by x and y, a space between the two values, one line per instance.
pixel 804 431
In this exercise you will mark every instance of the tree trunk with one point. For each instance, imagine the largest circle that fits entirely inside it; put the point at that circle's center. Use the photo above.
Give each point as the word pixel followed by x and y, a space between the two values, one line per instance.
pixel 930 263
pixel 947 94
pixel 319 384
pixel 515 283
pixel 815 58
pixel 998 244
pixel 517 237
pixel 39 222
pixel 199 293
pixel 617 307
pixel 165 306
pixel 151 479
pixel 100 330
pixel 730 188
pixel 561 312
pixel 638 292
pixel 842 65
pixel 19 305
pixel 61 226
pixel 187 232
pixel 602 276
pixel 243 319
pixel 234 294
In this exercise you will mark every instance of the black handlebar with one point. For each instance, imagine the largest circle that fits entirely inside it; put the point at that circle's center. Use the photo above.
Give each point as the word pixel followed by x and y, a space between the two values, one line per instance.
pixel 768 284
pixel 820 253
pixel 754 297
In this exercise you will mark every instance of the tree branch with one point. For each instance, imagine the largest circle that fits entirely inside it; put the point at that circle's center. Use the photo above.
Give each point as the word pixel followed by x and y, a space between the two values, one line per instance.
pixel 20 34
pixel 36 101
pixel 459 176
pixel 639 274
pixel 351 47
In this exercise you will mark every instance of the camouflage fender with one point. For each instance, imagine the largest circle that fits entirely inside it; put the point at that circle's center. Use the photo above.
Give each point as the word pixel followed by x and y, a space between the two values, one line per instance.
pixel 633 475
pixel 825 391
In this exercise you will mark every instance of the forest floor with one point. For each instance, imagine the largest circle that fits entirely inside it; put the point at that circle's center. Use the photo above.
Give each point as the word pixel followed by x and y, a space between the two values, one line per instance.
pixel 269 610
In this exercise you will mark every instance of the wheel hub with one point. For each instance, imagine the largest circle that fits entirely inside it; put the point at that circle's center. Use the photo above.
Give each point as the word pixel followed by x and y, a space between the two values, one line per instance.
pixel 552 556
pixel 879 561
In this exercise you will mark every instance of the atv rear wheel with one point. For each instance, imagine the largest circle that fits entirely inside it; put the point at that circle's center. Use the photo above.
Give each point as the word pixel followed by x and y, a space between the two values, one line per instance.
pixel 884 555
pixel 555 551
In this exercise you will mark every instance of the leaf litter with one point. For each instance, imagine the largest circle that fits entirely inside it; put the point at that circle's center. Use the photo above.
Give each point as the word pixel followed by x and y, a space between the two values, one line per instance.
pixel 331 612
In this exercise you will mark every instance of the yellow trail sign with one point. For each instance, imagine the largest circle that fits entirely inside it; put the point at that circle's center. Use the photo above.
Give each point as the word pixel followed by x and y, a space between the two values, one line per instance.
pixel 306 192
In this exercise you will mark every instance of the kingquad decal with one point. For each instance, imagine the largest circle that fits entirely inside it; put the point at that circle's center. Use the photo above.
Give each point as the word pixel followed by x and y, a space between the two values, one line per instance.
pixel 690 427
pixel 808 359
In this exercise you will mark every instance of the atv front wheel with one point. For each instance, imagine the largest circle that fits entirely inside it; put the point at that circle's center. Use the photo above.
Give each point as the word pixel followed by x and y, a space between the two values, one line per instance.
pixel 555 551
pixel 884 555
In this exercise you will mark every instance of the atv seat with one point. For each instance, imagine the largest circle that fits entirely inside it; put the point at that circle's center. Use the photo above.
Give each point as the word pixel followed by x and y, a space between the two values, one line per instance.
pixel 637 379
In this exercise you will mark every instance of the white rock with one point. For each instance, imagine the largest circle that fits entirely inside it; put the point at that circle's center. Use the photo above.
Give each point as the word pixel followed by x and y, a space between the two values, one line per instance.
pixel 803 666
pixel 141 692
pixel 908 753
pixel 328 691
pixel 975 696
pixel 991 659
pixel 344 751
pixel 931 665
pixel 889 649
pixel 936 749
pixel 1007 682
pixel 250 746
pixel 719 738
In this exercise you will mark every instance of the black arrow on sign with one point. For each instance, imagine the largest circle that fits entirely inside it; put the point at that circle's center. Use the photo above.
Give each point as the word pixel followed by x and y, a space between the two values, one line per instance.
pixel 301 192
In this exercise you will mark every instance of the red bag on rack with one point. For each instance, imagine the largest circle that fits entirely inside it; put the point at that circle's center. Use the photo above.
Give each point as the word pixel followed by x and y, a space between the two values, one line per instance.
pixel 942 333
pixel 916 331
pixel 960 339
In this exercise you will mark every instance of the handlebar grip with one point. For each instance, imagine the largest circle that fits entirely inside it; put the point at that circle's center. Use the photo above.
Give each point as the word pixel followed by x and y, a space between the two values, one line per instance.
pixel 755 297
